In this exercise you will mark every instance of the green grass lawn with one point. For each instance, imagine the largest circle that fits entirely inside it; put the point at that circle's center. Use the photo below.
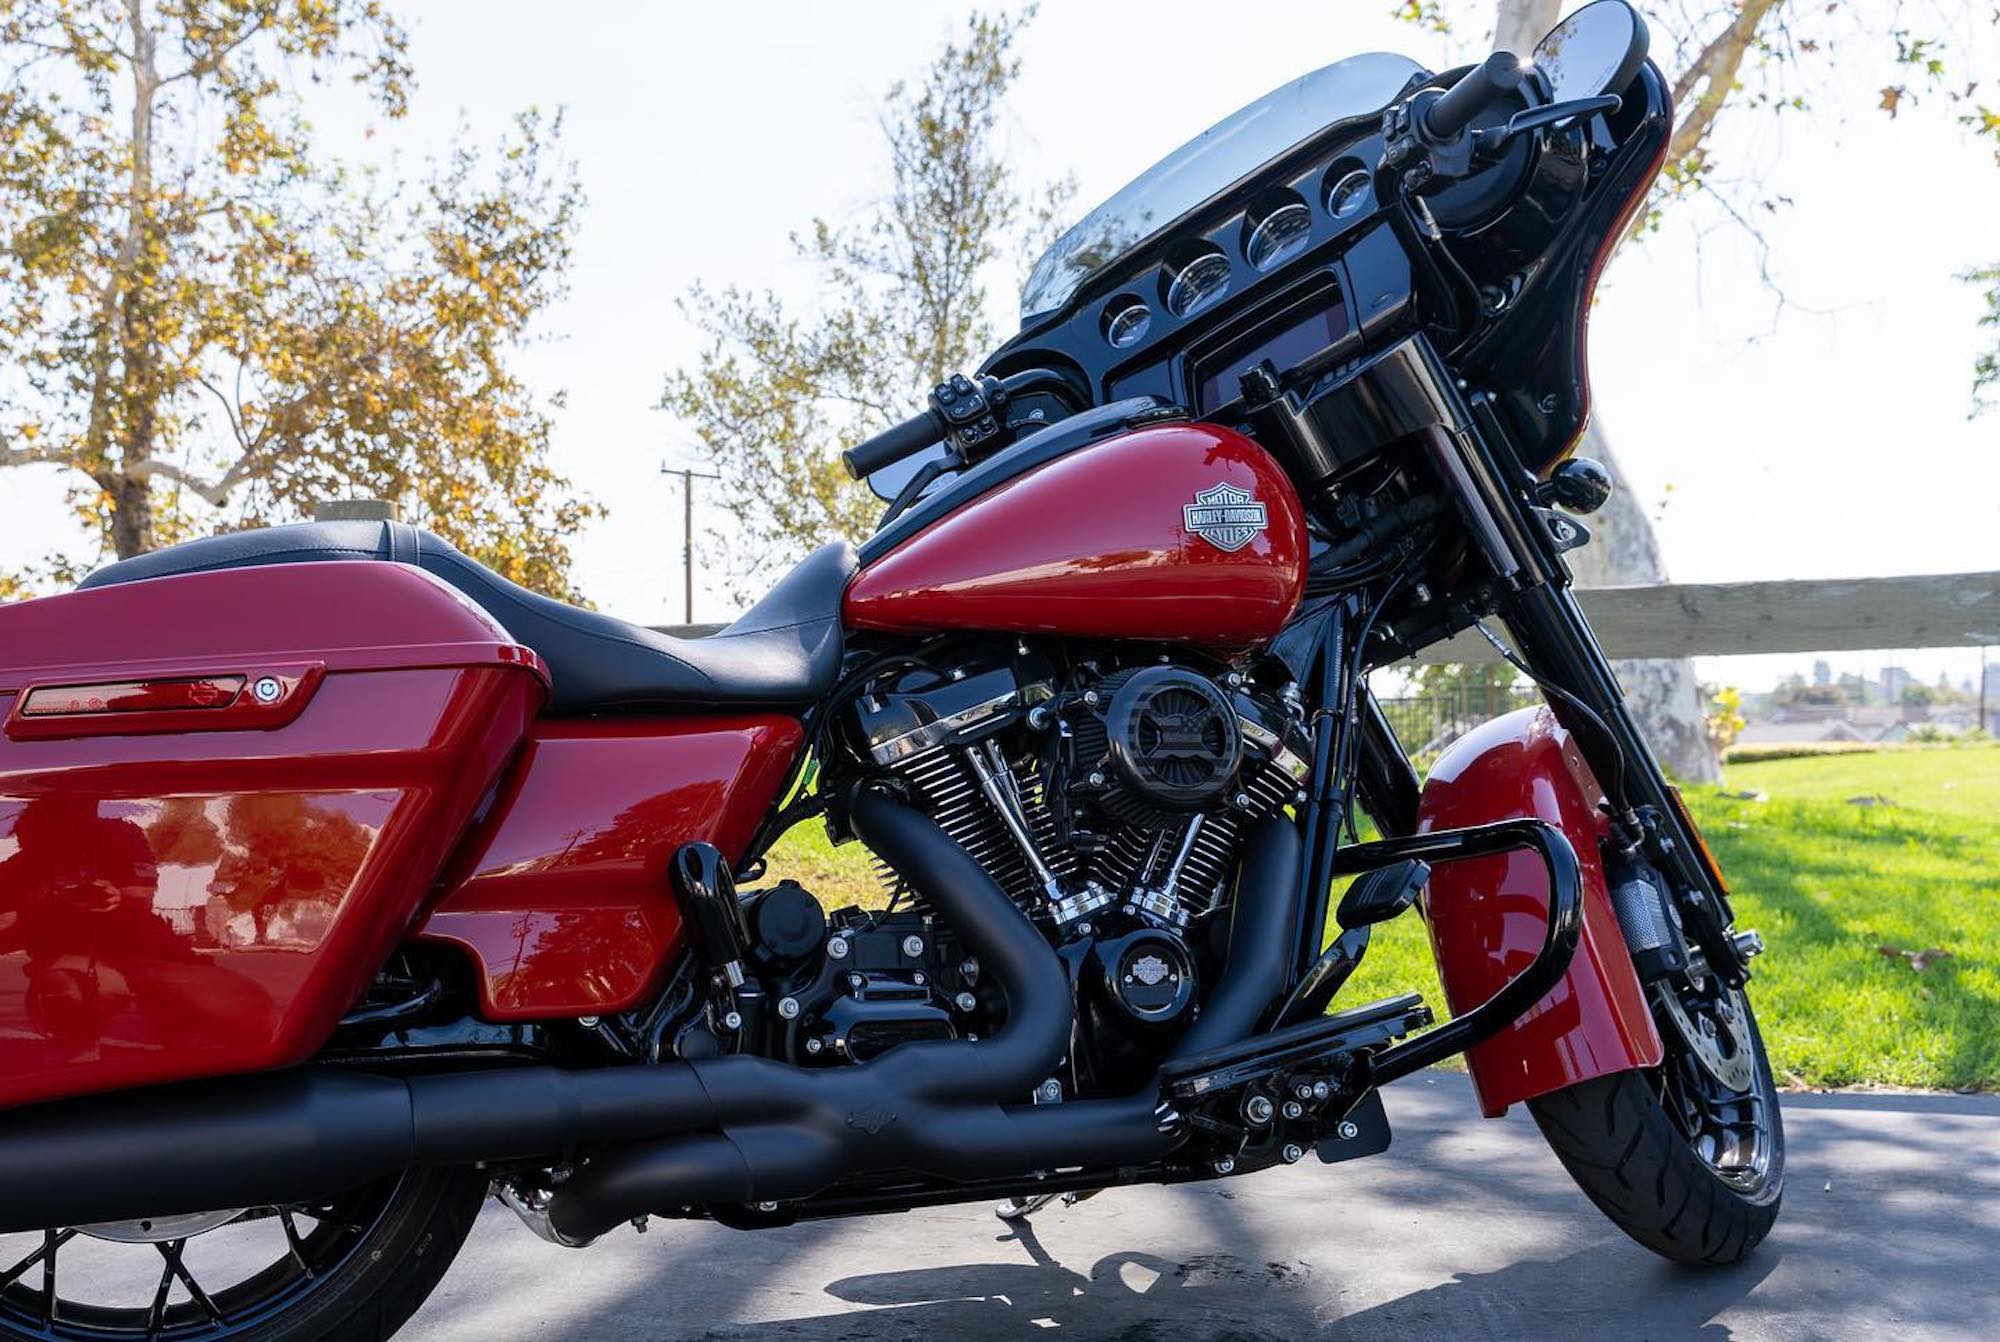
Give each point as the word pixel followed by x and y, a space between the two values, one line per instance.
pixel 1827 882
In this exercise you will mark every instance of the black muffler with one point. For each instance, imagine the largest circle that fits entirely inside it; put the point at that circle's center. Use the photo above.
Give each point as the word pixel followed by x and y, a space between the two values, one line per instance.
pixel 726 1130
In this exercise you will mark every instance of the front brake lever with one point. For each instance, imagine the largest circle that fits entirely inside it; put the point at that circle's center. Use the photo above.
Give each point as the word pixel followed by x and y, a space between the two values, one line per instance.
pixel 1488 143
pixel 918 483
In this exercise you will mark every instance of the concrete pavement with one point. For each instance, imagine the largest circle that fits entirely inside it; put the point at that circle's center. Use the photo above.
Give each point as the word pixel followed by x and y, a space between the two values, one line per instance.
pixel 1464 1229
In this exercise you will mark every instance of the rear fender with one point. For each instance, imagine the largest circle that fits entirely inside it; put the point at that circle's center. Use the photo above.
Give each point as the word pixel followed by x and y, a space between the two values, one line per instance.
pixel 1488 916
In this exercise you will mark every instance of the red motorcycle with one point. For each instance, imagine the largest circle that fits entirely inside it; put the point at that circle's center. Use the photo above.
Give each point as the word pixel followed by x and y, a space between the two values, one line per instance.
pixel 342 881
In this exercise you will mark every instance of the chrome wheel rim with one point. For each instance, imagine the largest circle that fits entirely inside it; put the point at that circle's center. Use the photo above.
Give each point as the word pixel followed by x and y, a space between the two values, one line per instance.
pixel 1710 1084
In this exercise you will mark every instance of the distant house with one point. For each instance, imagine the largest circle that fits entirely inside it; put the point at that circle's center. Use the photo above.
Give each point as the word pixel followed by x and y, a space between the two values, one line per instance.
pixel 1810 713
pixel 1876 721
pixel 1798 733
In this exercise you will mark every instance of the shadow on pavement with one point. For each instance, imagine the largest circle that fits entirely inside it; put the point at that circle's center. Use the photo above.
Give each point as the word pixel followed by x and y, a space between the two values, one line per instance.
pixel 1465 1229
pixel 1134 1296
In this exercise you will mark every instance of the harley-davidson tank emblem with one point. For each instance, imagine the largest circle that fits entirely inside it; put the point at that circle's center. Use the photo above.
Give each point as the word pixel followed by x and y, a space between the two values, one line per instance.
pixel 1225 516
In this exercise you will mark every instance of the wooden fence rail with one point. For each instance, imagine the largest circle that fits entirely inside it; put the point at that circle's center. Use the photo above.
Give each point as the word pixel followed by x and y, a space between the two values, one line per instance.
pixel 1949 610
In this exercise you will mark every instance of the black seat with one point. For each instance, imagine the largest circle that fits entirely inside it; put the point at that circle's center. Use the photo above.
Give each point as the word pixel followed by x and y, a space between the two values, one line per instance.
pixel 783 653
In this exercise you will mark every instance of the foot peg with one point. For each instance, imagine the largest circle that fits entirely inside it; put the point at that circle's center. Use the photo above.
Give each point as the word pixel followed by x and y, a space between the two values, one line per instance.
pixel 1379 895
pixel 1327 1042
pixel 1271 1098
pixel 707 892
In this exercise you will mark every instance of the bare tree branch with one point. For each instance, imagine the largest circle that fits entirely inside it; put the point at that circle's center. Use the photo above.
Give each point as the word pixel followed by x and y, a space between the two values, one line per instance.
pixel 30 456
pixel 1714 71
pixel 216 493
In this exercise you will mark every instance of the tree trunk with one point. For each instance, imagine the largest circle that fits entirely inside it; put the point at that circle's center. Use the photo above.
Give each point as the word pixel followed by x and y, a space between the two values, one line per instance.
pixel 131 497
pixel 1663 694
pixel 1523 22
pixel 131 517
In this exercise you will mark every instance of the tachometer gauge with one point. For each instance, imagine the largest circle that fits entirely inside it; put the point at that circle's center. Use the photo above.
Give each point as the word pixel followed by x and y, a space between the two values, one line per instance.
pixel 1197 283
pixel 1125 321
pixel 1281 235
pixel 1349 194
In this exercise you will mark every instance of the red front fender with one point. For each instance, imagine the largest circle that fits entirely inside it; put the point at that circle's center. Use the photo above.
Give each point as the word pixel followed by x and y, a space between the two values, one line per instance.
pixel 1488 916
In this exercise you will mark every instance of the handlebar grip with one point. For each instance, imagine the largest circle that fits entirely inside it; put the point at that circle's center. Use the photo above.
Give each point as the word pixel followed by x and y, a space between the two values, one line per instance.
pixel 1479 88
pixel 891 445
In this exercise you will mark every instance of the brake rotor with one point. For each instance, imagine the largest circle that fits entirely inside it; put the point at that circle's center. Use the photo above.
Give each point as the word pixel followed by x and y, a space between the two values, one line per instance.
pixel 1718 1040
pixel 160 1229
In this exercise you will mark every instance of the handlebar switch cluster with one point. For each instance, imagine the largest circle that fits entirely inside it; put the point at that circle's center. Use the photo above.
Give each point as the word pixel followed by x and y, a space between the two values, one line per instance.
pixel 1409 151
pixel 970 411
pixel 1425 136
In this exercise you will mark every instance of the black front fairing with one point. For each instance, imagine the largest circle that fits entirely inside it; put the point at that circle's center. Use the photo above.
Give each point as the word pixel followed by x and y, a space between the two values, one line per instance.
pixel 1531 232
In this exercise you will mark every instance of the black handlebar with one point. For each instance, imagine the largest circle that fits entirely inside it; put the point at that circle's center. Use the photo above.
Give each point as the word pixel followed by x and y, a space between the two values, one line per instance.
pixel 1479 88
pixel 969 411
pixel 891 445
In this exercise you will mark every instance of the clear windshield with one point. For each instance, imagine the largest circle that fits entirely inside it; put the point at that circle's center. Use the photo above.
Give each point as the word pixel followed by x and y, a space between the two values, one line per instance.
pixel 1211 161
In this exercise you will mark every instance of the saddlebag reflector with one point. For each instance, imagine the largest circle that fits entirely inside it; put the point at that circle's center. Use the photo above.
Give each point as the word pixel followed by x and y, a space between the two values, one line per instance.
pixel 131 696
pixel 257 699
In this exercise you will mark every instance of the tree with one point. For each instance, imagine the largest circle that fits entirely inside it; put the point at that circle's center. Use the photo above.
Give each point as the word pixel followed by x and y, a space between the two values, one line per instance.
pixel 1725 716
pixel 775 395
pixel 209 325
pixel 1705 62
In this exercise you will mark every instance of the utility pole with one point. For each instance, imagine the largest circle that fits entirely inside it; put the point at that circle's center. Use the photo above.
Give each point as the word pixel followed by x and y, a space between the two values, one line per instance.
pixel 688 477
pixel 1982 687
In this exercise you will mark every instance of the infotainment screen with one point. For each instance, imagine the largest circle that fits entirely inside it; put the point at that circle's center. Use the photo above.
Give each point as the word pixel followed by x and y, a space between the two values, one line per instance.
pixel 1307 334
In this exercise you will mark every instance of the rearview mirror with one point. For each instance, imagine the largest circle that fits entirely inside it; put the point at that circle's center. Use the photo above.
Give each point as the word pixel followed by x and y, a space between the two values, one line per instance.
pixel 1596 50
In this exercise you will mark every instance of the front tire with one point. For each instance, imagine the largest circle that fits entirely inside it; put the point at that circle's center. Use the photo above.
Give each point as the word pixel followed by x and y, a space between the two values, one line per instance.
pixel 1689 1167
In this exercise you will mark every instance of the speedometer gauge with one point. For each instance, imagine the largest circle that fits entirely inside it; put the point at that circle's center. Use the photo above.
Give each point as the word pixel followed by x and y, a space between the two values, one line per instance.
pixel 1280 235
pixel 1197 283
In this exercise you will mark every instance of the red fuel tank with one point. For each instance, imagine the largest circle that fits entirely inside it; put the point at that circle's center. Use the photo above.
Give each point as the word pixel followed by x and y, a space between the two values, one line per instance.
pixel 1178 532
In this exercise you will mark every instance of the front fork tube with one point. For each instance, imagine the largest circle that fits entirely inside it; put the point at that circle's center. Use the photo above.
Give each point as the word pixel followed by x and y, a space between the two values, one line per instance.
pixel 1556 640
pixel 1468 448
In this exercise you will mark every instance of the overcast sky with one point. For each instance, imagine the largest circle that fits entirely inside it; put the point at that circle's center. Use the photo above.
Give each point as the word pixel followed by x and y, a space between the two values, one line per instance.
pixel 1829 439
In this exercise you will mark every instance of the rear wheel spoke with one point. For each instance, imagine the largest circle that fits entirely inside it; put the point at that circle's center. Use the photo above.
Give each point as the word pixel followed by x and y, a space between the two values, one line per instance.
pixel 177 1270
pixel 193 1287
pixel 156 1318
pixel 294 1241
pixel 51 1241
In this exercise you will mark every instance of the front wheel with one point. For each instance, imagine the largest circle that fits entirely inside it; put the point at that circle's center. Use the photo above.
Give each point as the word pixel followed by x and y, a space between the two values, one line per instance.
pixel 1687 1158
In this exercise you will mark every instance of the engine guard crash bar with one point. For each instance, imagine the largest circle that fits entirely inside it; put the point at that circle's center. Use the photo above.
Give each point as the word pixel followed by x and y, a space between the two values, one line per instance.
pixel 1551 962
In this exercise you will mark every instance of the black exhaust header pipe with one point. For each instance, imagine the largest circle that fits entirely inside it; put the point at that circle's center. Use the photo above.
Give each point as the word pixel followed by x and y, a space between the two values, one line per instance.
pixel 724 1130
pixel 871 1119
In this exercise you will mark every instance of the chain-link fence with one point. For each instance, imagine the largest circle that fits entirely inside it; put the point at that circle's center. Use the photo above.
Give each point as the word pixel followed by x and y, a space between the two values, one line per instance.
pixel 1426 724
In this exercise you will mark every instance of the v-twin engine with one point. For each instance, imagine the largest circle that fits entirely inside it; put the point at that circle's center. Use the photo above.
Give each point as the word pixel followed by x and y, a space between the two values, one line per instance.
pixel 1109 801
pixel 1127 787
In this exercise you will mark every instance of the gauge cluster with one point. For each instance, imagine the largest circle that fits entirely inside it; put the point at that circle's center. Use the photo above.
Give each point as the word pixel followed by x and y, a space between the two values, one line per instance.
pixel 1285 265
pixel 1186 277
